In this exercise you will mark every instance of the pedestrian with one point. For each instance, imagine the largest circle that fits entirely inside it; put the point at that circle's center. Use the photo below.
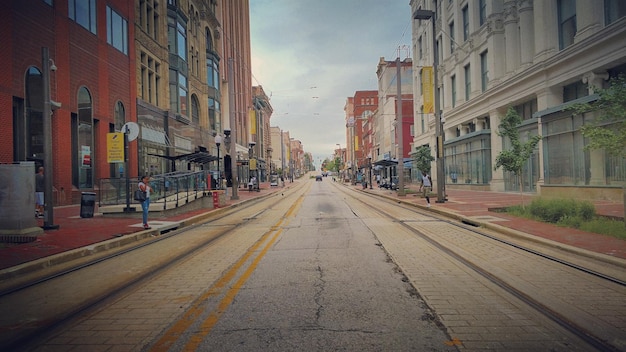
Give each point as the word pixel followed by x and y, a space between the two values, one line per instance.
pixel 144 186
pixel 40 185
pixel 426 186
pixel 225 185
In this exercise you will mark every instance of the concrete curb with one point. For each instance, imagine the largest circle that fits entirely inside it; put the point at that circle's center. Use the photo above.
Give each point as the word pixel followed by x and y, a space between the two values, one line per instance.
pixel 514 233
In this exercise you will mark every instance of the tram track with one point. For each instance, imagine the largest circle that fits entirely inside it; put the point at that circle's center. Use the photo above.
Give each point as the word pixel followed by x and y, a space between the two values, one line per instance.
pixel 562 319
pixel 219 226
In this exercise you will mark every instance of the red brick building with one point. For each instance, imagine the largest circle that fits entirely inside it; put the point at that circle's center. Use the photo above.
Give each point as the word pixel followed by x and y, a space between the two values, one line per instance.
pixel 365 104
pixel 92 66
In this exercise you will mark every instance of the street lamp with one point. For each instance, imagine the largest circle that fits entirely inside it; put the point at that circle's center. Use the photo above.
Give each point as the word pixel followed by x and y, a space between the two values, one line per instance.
pixel 218 141
pixel 432 16
pixel 48 107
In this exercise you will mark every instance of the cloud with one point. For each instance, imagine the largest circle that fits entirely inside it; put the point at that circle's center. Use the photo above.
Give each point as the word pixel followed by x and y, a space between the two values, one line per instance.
pixel 310 56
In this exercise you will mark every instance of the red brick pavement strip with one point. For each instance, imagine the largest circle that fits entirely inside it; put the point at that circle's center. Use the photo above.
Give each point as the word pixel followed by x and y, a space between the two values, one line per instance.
pixel 76 232
pixel 476 204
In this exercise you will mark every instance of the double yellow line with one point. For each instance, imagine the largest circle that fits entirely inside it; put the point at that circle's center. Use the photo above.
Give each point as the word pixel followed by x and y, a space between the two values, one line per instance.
pixel 191 315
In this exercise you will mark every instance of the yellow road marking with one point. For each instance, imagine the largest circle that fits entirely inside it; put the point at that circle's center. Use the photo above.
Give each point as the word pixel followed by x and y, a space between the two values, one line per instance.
pixel 175 331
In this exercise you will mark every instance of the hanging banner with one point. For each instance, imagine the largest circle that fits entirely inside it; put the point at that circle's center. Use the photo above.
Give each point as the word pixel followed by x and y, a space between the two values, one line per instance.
pixel 427 89
pixel 356 143
pixel 252 115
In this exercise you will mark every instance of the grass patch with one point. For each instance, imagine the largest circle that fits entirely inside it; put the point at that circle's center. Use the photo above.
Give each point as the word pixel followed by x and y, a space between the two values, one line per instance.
pixel 570 213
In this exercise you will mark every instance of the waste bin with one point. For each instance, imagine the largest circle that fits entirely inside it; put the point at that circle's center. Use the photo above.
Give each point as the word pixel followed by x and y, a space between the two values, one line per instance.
pixel 87 204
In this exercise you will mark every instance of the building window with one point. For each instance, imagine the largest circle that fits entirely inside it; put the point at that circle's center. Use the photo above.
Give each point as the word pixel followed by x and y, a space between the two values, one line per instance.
pixel 482 14
pixel 83 12
pixel 212 72
pixel 420 48
pixel 567 22
pixel 117 31
pixel 567 163
pixel 212 62
pixel 527 109
pixel 182 94
pixel 150 79
pixel 468 82
pixel 120 116
pixel 83 151
pixel 469 161
pixel 214 114
pixel 31 128
pixel 614 10
pixel 149 17
pixel 451 29
pixel 195 110
pixel 453 87
pixel 177 46
pixel 574 91
pixel 484 71
pixel 465 23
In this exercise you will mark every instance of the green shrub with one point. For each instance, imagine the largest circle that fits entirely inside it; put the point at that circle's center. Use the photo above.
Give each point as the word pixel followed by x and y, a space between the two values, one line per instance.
pixel 556 210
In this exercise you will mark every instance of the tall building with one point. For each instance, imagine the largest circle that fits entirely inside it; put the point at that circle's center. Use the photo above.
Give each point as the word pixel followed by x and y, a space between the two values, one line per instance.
pixel 260 130
pixel 177 68
pixel 538 57
pixel 386 129
pixel 90 74
pixel 178 49
pixel 360 128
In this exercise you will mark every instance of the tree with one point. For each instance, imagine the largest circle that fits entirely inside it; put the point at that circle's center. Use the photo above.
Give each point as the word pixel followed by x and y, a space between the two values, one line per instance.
pixel 607 131
pixel 423 158
pixel 513 159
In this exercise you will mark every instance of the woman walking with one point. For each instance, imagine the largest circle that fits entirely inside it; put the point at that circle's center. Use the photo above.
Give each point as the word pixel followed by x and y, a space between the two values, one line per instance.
pixel 145 205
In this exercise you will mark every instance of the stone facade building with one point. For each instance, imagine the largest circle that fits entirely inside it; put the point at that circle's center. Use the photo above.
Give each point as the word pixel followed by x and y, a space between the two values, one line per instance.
pixel 538 57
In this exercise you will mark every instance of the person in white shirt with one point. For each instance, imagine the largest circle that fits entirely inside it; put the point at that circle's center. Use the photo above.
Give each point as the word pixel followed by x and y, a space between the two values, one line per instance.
pixel 426 186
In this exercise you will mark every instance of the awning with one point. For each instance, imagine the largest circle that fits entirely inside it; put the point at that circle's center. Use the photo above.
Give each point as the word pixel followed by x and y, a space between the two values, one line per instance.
pixel 196 157
pixel 385 163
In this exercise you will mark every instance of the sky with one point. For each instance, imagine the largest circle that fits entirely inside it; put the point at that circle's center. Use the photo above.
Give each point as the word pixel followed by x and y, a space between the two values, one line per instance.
pixel 311 55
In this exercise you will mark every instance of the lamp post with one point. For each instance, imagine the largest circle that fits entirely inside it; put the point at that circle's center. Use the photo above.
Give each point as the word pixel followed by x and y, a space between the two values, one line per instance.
pixel 432 16
pixel 48 222
pixel 218 141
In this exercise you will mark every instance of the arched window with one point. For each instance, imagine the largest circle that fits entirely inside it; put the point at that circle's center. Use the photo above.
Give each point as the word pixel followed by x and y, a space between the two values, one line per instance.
pixel 83 165
pixel 29 130
pixel 120 116
pixel 195 109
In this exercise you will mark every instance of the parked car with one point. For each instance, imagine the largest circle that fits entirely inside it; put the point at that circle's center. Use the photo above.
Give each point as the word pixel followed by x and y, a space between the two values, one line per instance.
pixel 318 177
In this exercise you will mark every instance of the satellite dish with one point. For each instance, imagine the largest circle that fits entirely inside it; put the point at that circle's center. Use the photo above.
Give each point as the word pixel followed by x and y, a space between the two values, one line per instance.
pixel 131 130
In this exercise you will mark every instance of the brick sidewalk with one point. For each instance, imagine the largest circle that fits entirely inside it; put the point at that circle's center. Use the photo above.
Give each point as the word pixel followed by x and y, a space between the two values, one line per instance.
pixel 76 232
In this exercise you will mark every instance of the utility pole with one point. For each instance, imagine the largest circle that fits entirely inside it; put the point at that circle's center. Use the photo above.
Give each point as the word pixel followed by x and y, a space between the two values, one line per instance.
pixel 48 221
pixel 399 127
pixel 231 116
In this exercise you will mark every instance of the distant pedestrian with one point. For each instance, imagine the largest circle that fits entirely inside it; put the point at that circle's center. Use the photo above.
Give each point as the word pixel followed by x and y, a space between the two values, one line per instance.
pixel 426 186
pixel 40 185
pixel 144 186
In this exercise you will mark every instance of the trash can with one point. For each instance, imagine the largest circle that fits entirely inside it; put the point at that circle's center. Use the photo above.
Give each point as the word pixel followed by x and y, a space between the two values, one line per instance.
pixel 87 204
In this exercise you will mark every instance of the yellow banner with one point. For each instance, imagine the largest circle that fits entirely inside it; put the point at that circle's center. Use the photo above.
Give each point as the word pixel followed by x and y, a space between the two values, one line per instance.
pixel 356 143
pixel 252 115
pixel 115 147
pixel 427 89
pixel 252 164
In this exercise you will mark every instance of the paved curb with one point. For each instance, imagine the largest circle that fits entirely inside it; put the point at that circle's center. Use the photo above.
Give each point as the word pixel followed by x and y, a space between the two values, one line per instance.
pixel 114 243
pixel 513 233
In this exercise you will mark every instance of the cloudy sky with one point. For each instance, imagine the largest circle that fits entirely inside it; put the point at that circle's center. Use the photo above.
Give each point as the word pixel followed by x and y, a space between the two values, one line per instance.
pixel 310 55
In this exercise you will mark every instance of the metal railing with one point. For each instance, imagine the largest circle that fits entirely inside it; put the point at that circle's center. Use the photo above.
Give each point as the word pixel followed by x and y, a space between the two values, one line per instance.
pixel 178 187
